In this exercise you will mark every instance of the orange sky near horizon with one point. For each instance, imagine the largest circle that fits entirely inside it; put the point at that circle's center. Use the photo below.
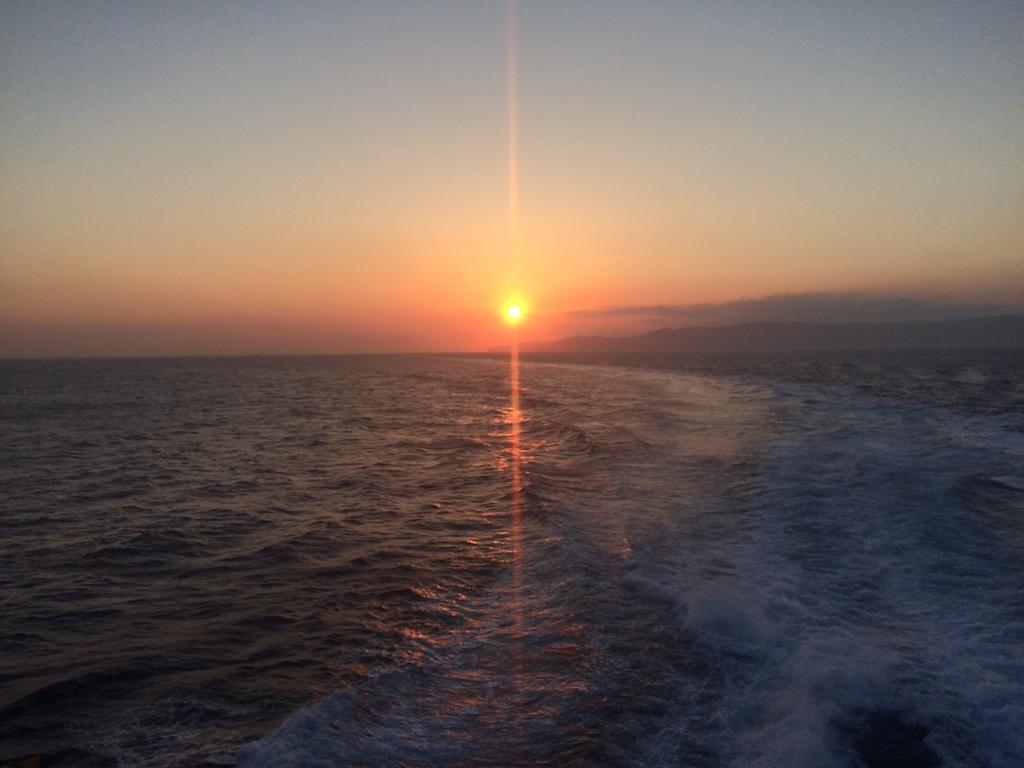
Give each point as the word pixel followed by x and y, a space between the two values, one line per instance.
pixel 170 188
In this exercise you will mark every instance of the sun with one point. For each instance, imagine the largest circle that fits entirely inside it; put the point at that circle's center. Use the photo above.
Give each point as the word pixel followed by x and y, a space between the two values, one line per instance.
pixel 514 312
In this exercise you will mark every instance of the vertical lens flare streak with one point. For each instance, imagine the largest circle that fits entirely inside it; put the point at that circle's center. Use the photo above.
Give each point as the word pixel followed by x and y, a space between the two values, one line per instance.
pixel 513 363
pixel 512 132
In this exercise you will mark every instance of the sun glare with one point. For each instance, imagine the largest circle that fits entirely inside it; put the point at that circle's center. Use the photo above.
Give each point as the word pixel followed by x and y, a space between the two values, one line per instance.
pixel 514 312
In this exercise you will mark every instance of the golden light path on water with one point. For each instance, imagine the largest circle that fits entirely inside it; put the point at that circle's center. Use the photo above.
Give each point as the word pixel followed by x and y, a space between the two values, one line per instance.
pixel 515 450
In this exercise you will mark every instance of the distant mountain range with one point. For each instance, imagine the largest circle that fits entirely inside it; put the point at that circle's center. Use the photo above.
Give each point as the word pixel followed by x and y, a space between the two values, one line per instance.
pixel 998 331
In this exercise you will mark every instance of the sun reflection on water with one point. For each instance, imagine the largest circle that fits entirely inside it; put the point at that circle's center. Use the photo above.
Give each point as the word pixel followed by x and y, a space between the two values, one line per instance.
pixel 515 454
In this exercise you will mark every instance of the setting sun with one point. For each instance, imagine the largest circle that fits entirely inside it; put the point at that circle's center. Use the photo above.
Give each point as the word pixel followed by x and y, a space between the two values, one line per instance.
pixel 514 312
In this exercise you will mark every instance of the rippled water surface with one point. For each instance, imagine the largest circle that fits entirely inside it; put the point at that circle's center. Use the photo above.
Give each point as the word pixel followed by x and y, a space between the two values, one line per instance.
pixel 804 560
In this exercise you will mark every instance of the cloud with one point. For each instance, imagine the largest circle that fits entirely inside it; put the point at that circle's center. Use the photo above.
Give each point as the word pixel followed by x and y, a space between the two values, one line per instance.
pixel 806 307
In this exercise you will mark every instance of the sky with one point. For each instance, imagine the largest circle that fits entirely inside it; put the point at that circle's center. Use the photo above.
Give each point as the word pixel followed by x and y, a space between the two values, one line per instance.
pixel 233 178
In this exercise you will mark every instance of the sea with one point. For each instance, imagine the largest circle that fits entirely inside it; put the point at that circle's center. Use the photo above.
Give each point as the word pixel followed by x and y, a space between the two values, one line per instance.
pixel 804 559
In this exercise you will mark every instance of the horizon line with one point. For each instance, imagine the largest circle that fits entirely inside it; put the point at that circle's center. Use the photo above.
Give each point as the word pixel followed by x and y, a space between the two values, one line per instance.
pixel 499 349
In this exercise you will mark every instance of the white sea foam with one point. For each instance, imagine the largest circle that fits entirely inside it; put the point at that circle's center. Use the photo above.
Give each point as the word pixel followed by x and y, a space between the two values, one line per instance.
pixel 868 586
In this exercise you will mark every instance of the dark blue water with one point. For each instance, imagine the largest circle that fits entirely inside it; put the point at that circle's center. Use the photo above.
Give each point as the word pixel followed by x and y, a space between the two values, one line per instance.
pixel 801 560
